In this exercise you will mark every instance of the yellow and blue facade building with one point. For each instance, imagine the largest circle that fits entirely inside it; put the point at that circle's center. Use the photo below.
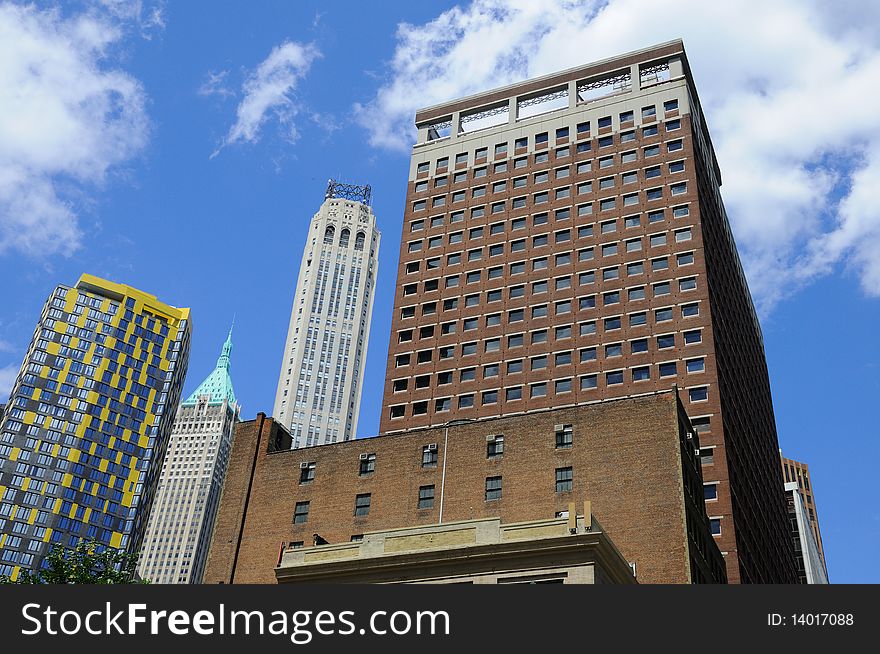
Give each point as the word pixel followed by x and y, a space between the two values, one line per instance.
pixel 85 430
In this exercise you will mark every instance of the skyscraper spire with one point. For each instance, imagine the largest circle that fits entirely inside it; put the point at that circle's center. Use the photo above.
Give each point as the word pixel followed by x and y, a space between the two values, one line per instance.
pixel 226 352
pixel 217 385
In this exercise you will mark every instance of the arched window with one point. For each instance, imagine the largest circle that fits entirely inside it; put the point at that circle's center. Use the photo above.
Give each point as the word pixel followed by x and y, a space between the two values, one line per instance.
pixel 343 238
pixel 328 234
pixel 359 241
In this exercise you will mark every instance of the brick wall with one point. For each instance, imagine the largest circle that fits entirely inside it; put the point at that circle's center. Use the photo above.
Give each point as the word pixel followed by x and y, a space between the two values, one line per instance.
pixel 626 459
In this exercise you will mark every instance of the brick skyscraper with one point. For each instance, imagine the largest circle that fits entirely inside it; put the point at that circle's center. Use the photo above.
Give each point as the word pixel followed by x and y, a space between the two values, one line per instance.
pixel 795 471
pixel 565 241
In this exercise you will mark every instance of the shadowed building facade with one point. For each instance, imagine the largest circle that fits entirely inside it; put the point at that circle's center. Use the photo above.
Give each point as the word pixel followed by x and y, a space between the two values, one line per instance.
pixel 565 241
pixel 182 519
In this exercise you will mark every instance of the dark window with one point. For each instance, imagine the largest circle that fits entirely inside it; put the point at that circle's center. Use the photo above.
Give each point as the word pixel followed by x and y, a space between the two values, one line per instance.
pixel 426 497
pixel 306 472
pixel 494 446
pixel 564 435
pixel 710 492
pixel 301 512
pixel 367 464
pixel 362 504
pixel 563 479
pixel 493 488
pixel 429 455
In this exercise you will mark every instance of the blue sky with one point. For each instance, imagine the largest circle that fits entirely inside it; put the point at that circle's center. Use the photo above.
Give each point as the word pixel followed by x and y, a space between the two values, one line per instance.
pixel 183 150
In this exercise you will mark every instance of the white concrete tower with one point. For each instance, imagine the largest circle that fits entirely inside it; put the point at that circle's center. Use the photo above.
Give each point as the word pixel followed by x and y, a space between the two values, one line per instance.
pixel 181 523
pixel 319 388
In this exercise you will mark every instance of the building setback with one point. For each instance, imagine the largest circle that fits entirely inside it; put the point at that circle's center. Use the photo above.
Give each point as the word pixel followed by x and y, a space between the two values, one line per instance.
pixel 795 471
pixel 321 378
pixel 810 562
pixel 570 549
pixel 564 241
pixel 88 421
pixel 179 530
pixel 633 459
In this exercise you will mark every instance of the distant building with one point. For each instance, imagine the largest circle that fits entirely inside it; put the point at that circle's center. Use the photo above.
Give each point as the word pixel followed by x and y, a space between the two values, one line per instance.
pixel 179 532
pixel 565 241
pixel 566 550
pixel 799 473
pixel 811 564
pixel 797 477
pixel 88 421
pixel 634 459
pixel 319 387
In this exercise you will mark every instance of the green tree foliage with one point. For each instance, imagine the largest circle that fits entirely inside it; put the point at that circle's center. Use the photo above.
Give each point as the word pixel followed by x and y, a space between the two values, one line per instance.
pixel 82 564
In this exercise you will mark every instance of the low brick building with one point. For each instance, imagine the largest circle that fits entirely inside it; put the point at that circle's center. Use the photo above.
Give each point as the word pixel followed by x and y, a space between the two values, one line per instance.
pixel 635 459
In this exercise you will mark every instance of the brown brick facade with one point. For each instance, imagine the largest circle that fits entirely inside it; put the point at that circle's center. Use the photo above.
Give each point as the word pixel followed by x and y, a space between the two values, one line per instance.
pixel 541 283
pixel 631 458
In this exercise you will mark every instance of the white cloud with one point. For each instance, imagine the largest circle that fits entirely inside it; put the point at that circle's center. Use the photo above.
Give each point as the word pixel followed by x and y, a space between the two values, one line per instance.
pixel 66 119
pixel 7 379
pixel 268 92
pixel 215 83
pixel 149 17
pixel 789 89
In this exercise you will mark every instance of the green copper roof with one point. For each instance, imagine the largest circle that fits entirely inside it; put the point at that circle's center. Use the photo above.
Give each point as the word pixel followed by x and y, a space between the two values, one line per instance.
pixel 218 384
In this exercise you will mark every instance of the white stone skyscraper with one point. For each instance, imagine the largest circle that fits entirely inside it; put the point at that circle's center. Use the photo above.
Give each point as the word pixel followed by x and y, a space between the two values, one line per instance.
pixel 181 522
pixel 319 388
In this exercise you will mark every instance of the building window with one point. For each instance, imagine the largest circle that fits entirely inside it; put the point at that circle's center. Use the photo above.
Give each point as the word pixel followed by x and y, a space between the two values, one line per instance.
pixel 696 365
pixel 707 455
pixel 710 491
pixel 692 337
pixel 715 526
pixel 306 472
pixel 429 455
pixel 367 464
pixel 563 480
pixel 698 394
pixel 362 504
pixel 564 436
pixel 426 497
pixel 668 369
pixel 494 446
pixel 301 513
pixel 493 488
pixel 589 382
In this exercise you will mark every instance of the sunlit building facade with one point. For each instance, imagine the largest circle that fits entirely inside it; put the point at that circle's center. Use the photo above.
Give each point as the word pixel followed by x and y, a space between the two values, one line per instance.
pixel 321 378
pixel 88 421
pixel 182 520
